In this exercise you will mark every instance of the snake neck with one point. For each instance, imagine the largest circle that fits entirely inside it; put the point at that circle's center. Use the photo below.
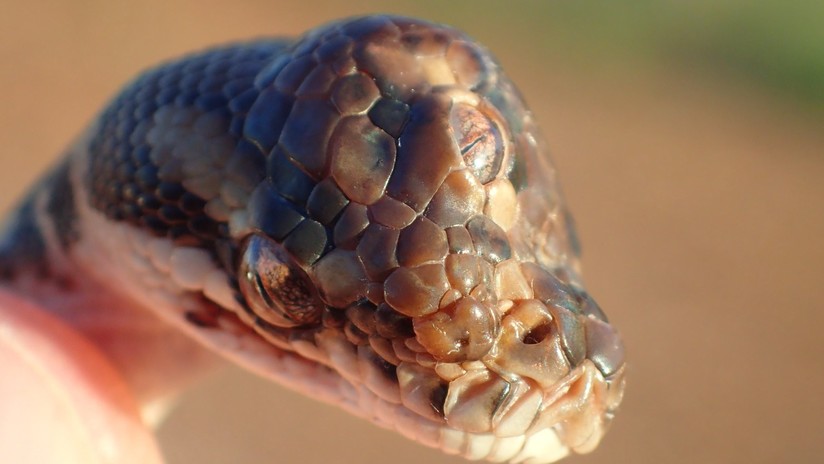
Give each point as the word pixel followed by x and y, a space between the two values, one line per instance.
pixel 39 262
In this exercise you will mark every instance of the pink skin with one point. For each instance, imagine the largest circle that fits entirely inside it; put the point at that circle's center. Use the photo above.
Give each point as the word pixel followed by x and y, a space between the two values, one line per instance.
pixel 62 400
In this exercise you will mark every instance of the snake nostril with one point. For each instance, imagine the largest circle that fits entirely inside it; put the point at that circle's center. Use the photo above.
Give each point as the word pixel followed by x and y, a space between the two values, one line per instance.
pixel 538 333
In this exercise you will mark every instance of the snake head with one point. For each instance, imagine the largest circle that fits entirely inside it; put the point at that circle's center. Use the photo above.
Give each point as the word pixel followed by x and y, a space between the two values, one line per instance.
pixel 379 199
pixel 410 234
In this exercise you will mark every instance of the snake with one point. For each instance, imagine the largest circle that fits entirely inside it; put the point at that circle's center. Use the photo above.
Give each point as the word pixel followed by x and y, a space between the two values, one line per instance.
pixel 366 214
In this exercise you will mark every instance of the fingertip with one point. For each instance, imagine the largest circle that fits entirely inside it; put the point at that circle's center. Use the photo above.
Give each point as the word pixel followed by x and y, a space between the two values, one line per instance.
pixel 62 401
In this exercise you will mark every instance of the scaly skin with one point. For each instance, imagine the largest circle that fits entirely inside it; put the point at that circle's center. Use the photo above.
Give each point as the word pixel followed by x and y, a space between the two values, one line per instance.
pixel 366 214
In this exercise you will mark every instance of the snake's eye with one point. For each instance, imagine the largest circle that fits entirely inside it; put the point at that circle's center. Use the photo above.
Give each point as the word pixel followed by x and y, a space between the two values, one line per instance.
pixel 479 140
pixel 275 288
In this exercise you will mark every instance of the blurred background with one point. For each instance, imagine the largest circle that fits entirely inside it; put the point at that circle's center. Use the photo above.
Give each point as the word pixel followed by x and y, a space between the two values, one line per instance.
pixel 690 142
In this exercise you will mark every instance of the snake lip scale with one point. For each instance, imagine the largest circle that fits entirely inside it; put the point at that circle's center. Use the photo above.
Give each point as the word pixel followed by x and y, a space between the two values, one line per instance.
pixel 366 214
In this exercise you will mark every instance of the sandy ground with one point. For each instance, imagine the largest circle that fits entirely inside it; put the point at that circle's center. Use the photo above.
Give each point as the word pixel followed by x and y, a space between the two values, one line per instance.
pixel 699 204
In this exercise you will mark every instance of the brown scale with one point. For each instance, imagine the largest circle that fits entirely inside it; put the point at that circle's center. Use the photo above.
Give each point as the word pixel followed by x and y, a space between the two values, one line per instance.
pixel 363 157
pixel 354 94
pixel 391 213
pixel 391 324
pixel 489 240
pixel 416 291
pixel 355 335
pixel 426 155
pixel 377 251
pixel 460 242
pixel 460 198
pixel 422 242
pixel 340 278
pixel 362 315
pixel 464 330
pixel 352 222
pixel 383 348
pixel 464 272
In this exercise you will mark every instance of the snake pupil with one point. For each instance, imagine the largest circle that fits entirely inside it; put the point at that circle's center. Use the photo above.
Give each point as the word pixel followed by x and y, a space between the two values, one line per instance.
pixel 274 287
pixel 479 140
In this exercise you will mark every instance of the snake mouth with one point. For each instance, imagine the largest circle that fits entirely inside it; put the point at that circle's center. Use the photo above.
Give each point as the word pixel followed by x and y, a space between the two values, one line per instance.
pixel 481 409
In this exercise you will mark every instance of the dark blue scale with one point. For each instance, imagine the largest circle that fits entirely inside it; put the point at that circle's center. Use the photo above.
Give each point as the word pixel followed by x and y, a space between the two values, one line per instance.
pixel 122 181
